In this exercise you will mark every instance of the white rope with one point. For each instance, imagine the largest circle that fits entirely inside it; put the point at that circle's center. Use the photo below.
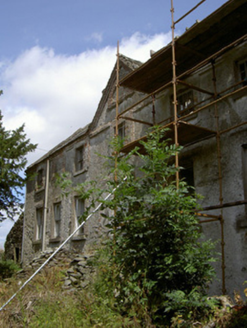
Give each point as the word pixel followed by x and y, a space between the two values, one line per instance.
pixel 58 249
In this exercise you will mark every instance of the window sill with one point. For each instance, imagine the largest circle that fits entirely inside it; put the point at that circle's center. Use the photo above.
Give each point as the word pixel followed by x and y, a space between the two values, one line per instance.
pixel 37 242
pixel 80 172
pixel 55 240
pixel 79 238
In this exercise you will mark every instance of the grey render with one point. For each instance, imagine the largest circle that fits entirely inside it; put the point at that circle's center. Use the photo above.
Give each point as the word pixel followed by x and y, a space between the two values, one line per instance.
pixel 201 157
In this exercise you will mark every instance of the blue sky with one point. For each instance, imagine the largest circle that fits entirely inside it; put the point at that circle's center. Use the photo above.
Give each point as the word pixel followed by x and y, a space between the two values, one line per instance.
pixel 56 57
pixel 70 27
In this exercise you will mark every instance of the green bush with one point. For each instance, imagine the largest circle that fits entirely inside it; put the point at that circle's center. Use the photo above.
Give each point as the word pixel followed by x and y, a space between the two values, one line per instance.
pixel 8 268
pixel 157 261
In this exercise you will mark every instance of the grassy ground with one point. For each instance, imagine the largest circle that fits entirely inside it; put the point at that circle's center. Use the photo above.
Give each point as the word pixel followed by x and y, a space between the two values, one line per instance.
pixel 45 304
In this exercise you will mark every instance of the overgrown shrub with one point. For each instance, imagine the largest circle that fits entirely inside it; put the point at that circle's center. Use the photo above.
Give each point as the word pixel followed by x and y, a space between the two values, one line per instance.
pixel 157 261
pixel 8 268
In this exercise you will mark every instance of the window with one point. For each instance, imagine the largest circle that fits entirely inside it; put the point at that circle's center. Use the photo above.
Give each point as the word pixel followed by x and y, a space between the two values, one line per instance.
pixel 243 71
pixel 79 158
pixel 187 174
pixel 17 254
pixel 79 210
pixel 185 102
pixel 121 131
pixel 57 219
pixel 39 223
pixel 40 179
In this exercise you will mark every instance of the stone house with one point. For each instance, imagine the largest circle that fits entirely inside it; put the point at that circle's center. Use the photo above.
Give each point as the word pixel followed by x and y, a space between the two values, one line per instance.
pixel 49 217
pixel 203 104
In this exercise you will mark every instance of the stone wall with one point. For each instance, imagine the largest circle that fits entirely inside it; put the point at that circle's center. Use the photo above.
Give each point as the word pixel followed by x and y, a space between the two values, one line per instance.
pixel 77 267
pixel 13 244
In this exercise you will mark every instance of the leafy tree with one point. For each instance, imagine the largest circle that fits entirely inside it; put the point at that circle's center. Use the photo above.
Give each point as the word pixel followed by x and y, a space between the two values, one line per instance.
pixel 155 268
pixel 14 147
pixel 157 260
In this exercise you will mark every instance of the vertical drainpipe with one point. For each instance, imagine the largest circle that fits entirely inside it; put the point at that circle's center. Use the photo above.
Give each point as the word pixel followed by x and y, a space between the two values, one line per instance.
pixel 46 204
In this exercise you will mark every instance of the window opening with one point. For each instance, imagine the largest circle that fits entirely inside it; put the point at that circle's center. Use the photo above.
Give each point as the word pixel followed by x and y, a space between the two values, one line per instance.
pixel 79 158
pixel 243 71
pixel 17 254
pixel 40 180
pixel 57 219
pixel 39 223
pixel 121 131
pixel 79 211
pixel 187 175
pixel 185 102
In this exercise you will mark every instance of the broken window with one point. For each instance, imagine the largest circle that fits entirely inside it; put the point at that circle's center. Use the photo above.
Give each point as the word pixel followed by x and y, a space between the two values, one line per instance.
pixel 39 223
pixel 243 71
pixel 57 219
pixel 79 158
pixel 185 102
pixel 79 211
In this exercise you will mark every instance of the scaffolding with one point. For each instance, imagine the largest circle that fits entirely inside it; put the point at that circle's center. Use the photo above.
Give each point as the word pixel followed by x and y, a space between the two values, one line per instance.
pixel 203 44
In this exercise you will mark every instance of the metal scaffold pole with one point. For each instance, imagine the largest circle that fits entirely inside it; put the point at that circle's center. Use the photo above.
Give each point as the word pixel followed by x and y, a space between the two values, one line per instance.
pixel 219 156
pixel 174 84
pixel 116 132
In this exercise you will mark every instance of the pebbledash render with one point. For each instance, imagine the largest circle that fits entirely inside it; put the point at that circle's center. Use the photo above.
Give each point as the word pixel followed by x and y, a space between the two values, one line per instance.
pixel 209 122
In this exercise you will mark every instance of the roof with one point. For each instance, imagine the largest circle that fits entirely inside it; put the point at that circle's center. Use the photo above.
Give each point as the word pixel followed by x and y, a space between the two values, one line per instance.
pixel 218 30
pixel 129 62
pixel 77 134
pixel 130 65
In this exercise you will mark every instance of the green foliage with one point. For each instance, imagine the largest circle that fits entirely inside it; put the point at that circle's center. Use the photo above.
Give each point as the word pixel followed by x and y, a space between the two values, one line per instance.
pixel 8 268
pixel 154 268
pixel 87 191
pixel 13 151
pixel 57 313
pixel 157 260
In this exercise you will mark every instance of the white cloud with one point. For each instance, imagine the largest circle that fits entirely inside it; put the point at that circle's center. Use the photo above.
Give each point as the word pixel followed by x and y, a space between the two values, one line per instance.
pixel 96 37
pixel 55 94
pixel 138 46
